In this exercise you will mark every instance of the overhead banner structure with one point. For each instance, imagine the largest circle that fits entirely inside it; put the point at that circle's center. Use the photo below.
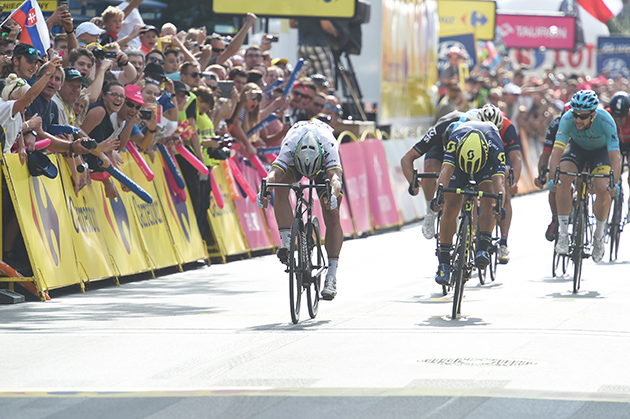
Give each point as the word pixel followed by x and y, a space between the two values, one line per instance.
pixel 287 8
pixel 536 31
pixel 613 55
pixel 481 15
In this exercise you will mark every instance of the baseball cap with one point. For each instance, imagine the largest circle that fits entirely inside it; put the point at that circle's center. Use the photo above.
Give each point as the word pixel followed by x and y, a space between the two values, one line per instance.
pixel 89 28
pixel 133 93
pixel 180 86
pixel 320 80
pixel 149 28
pixel 27 51
pixel 155 72
pixel 277 61
pixel 73 74
pixel 512 89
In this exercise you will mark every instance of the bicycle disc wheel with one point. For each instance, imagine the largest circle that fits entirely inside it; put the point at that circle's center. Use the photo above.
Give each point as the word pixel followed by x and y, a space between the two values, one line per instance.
pixel 317 262
pixel 459 265
pixel 296 267
pixel 579 228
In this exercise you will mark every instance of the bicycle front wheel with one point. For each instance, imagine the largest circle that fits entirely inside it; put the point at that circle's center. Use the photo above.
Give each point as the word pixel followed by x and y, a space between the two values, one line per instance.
pixel 296 268
pixel 317 262
pixel 459 266
pixel 615 227
pixel 579 231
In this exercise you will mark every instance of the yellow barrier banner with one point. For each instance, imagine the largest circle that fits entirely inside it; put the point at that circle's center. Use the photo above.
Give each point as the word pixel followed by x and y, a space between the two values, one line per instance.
pixel 40 207
pixel 116 216
pixel 287 8
pixel 90 245
pixel 226 229
pixel 154 233
pixel 180 217
pixel 45 5
pixel 481 15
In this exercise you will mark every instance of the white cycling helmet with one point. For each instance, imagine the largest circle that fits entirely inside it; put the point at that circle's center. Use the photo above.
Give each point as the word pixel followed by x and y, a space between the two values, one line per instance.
pixel 491 113
pixel 308 155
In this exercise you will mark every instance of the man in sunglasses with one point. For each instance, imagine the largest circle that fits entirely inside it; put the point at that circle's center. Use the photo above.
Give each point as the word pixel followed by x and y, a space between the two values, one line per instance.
pixel 586 135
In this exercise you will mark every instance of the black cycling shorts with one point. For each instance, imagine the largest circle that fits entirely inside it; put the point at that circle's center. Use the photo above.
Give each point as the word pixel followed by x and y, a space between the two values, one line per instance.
pixel 580 156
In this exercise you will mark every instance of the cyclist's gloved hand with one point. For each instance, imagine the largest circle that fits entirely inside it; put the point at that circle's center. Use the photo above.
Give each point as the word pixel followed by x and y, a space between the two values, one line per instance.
pixel 259 200
pixel 333 201
pixel 617 190
pixel 501 212
pixel 435 203
pixel 550 185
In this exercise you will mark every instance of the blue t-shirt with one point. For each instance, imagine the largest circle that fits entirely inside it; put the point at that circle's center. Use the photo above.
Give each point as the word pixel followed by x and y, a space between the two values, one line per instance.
pixel 602 133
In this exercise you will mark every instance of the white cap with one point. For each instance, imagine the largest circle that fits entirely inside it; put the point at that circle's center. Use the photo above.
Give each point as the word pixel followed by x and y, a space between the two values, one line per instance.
pixel 512 89
pixel 89 28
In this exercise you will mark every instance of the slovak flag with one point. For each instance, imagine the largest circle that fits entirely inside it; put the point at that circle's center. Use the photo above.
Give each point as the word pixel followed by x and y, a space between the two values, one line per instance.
pixel 602 10
pixel 34 29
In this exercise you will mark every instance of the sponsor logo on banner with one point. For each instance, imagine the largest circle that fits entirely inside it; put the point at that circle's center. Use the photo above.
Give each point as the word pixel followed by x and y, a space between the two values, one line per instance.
pixel 613 54
pixel 149 215
pixel 177 207
pixel 535 31
pixel 118 221
pixel 48 228
pixel 83 217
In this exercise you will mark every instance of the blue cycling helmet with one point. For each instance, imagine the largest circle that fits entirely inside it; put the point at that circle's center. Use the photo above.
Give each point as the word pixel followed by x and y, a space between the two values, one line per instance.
pixel 584 100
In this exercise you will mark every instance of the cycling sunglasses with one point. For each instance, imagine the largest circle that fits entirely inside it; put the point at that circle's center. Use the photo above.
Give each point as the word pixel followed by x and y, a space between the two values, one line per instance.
pixel 583 117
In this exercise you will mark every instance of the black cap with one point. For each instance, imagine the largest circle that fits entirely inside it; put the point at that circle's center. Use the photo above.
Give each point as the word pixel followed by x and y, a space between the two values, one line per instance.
pixel 180 86
pixel 73 74
pixel 149 28
pixel 155 71
pixel 27 51
pixel 39 164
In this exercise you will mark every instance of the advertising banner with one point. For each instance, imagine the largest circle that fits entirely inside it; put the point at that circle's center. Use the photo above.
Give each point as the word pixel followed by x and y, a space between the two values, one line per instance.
pixel 287 8
pixel 382 204
pixel 154 233
pixel 224 223
pixel 613 55
pixel 87 228
pixel 43 219
pixel 536 31
pixel 356 186
pixel 478 14
pixel 465 42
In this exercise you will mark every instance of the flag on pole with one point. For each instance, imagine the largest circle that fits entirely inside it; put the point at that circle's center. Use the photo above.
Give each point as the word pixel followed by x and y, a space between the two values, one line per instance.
pixel 602 10
pixel 34 29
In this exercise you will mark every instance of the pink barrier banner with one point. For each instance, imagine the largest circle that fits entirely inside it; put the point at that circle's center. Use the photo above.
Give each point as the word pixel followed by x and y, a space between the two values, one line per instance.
pixel 535 31
pixel 382 203
pixel 355 188
pixel 344 215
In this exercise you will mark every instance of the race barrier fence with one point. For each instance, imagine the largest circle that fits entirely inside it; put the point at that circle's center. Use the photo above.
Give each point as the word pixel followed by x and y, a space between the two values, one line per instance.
pixel 72 239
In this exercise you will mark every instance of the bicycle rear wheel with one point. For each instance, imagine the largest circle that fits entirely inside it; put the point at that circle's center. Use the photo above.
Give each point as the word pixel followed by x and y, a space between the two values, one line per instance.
pixel 296 268
pixel 579 228
pixel 615 226
pixel 317 262
pixel 459 266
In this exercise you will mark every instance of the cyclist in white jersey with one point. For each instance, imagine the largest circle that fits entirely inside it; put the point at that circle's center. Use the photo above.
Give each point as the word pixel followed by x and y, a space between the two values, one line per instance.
pixel 309 150
pixel 586 134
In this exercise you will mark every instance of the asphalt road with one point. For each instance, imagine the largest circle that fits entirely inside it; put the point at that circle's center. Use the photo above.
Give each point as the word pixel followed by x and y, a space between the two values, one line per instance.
pixel 218 342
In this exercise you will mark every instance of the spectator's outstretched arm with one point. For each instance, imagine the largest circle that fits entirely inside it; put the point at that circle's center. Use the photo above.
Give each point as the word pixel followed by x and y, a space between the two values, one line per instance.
pixel 133 4
pixel 123 42
pixel 94 91
pixel 236 42
pixel 129 72
pixel 55 18
pixel 187 54
pixel 328 27
pixel 23 102
pixel 68 27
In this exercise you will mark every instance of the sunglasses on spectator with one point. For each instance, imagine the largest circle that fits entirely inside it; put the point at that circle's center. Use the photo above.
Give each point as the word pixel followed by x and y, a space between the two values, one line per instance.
pixel 254 95
pixel 116 95
pixel 583 116
pixel 156 60
pixel 194 75
pixel 218 50
pixel 132 105
pixel 302 95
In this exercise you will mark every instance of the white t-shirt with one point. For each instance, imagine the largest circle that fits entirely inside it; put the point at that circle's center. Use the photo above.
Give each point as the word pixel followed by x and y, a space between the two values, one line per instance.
pixel 327 141
pixel 63 114
pixel 12 124
pixel 132 20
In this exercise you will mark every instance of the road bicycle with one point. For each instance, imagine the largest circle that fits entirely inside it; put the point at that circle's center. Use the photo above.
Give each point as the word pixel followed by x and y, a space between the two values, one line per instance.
pixel 582 231
pixel 617 221
pixel 306 262
pixel 462 259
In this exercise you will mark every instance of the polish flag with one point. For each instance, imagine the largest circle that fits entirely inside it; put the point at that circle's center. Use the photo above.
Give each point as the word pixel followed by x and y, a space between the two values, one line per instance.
pixel 602 10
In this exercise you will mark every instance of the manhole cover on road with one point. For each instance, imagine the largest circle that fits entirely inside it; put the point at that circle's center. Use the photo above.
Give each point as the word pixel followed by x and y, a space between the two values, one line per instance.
pixel 479 362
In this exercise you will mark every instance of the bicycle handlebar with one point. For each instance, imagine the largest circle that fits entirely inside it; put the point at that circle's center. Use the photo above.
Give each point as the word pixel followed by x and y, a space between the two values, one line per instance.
pixel 468 192
pixel 296 186
pixel 417 175
pixel 610 176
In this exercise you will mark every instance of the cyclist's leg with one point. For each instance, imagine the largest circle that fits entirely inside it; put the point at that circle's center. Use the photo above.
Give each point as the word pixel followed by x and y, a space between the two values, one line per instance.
pixel 333 242
pixel 601 164
pixel 572 160
pixel 284 214
pixel 504 225
pixel 432 163
pixel 448 228
pixel 486 218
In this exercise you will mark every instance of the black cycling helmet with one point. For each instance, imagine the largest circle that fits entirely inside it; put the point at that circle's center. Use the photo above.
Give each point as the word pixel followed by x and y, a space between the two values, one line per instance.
pixel 620 104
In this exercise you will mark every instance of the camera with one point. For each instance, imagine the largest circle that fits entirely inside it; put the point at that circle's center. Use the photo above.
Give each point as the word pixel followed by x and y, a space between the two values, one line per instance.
pixel 100 53
pixel 222 152
pixel 272 38
pixel 89 143
pixel 145 115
